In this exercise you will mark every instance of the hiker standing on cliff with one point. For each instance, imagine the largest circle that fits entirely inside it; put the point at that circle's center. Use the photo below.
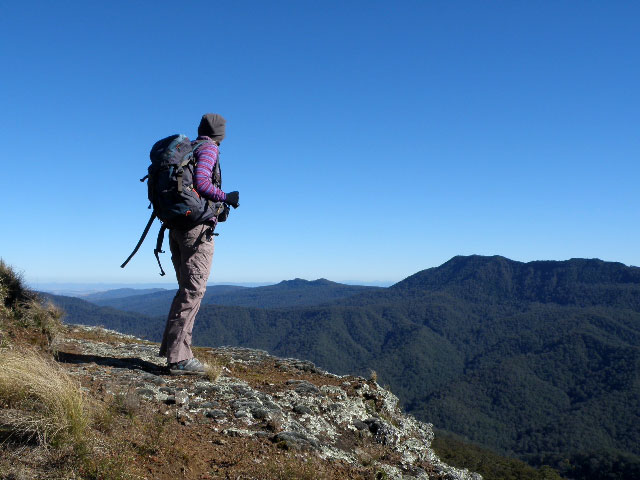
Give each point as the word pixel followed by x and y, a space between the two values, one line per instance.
pixel 192 249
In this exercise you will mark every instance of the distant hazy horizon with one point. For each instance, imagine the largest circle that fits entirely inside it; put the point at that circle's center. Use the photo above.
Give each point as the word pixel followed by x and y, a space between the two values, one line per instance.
pixel 78 288
pixel 83 288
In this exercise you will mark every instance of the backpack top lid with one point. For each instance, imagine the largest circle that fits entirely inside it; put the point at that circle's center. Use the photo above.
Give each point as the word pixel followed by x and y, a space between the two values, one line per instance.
pixel 170 150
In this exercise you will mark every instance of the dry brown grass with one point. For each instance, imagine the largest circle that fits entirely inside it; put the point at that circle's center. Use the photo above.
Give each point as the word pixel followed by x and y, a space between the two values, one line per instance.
pixel 293 468
pixel 213 364
pixel 39 400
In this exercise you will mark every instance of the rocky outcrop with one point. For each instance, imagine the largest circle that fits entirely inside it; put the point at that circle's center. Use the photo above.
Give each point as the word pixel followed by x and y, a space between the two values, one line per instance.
pixel 287 403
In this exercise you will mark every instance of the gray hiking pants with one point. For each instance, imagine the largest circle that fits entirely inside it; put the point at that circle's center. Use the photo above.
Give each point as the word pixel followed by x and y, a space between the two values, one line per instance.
pixel 191 254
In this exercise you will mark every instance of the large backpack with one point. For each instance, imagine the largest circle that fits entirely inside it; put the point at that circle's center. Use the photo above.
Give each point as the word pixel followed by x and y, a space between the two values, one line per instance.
pixel 171 192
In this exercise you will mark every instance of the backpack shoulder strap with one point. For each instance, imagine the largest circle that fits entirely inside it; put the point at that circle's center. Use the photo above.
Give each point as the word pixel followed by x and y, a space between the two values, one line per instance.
pixel 196 144
pixel 189 158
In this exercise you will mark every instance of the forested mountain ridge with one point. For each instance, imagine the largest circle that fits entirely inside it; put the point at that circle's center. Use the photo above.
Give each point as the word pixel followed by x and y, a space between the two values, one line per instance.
pixel 539 359
pixel 497 279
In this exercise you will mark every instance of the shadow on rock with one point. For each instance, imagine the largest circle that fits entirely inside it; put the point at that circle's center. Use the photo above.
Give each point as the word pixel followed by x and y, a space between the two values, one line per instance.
pixel 130 363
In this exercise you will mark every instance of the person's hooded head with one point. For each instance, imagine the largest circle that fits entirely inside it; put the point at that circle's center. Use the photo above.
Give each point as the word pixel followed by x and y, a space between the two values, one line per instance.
pixel 212 125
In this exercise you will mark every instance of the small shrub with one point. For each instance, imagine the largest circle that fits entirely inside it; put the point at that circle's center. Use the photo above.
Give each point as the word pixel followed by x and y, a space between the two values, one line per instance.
pixel 45 319
pixel 102 466
pixel 127 403
pixel 12 288
pixel 22 314
pixel 155 434
pixel 213 370
pixel 103 417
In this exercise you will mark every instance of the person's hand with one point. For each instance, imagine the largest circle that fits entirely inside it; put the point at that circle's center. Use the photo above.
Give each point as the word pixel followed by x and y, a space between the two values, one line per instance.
pixel 224 214
pixel 233 199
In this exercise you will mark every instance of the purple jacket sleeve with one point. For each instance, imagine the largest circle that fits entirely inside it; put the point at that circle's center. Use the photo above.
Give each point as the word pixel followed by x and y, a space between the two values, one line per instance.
pixel 206 157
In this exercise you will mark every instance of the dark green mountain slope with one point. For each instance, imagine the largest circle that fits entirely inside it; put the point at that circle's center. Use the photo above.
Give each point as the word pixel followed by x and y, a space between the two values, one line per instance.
pixel 288 293
pixel 341 339
pixel 158 303
pixel 78 311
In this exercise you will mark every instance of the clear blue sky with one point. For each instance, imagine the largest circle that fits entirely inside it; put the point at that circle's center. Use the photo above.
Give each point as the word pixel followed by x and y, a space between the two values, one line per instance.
pixel 368 139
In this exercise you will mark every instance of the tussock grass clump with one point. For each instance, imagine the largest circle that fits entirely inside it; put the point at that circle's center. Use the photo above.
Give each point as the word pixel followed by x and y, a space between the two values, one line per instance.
pixel 40 400
pixel 213 369
pixel 213 364
pixel 22 314
pixel 42 319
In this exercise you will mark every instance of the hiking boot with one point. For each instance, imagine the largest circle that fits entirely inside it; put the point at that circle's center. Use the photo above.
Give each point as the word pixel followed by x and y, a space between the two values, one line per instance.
pixel 191 366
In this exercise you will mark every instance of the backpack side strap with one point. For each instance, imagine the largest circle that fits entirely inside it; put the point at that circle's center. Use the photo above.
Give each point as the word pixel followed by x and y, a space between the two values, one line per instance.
pixel 158 248
pixel 144 234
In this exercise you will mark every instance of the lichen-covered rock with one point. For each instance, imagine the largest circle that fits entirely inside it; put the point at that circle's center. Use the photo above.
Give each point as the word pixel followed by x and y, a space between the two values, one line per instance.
pixel 295 440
